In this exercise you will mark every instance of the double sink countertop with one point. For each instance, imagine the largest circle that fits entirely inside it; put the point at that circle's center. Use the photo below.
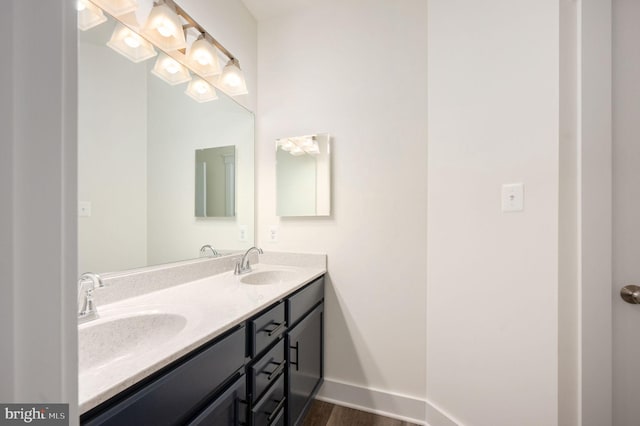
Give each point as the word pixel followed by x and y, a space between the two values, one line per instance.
pixel 162 318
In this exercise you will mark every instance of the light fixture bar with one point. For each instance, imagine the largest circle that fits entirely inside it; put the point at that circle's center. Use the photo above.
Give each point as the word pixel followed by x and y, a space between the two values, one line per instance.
pixel 192 23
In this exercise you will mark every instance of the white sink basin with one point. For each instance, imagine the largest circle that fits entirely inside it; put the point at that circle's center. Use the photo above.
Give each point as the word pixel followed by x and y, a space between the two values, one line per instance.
pixel 269 277
pixel 105 340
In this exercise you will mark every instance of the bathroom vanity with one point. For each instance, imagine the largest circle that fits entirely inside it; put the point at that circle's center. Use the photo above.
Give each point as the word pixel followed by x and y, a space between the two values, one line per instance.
pixel 260 363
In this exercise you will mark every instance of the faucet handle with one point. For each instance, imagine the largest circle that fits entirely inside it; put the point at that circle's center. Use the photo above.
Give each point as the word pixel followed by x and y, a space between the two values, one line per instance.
pixel 237 271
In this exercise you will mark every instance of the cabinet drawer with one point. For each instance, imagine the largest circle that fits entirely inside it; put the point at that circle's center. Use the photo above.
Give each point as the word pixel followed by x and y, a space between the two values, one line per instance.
pixel 266 328
pixel 271 408
pixel 267 370
pixel 169 398
pixel 304 300
pixel 228 409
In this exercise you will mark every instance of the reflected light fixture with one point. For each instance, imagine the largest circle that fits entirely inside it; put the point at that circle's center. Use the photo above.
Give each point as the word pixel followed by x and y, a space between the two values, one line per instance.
pixel 300 145
pixel 201 91
pixel 164 28
pixel 203 58
pixel 129 44
pixel 89 15
pixel 170 70
pixel 232 79
pixel 117 7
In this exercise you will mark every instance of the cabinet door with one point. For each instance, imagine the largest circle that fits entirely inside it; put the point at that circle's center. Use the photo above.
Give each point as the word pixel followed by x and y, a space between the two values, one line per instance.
pixel 305 363
pixel 229 409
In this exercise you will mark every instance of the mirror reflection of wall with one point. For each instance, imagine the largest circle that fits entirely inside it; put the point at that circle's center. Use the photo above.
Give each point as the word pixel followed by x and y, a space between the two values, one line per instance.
pixel 137 136
pixel 215 182
pixel 303 175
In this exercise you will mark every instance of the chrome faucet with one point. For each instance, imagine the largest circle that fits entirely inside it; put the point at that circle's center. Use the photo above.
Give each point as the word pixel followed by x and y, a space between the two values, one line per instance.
pixel 244 266
pixel 204 248
pixel 86 306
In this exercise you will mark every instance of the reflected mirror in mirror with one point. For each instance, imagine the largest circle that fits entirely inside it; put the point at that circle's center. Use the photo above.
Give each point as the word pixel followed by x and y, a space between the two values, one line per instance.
pixel 137 136
pixel 303 175
pixel 215 182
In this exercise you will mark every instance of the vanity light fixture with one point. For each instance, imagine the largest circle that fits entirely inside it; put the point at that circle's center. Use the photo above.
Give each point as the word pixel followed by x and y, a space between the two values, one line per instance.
pixel 117 7
pixel 300 145
pixel 89 15
pixel 232 79
pixel 201 91
pixel 203 58
pixel 164 28
pixel 129 44
pixel 170 70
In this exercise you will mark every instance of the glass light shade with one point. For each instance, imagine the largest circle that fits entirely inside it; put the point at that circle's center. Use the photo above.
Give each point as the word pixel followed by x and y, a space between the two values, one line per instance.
pixel 89 15
pixel 203 58
pixel 201 91
pixel 313 149
pixel 164 28
pixel 232 79
pixel 297 151
pixel 117 7
pixel 129 44
pixel 170 70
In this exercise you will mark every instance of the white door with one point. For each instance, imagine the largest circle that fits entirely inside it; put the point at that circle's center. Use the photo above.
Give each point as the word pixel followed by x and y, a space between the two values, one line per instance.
pixel 626 210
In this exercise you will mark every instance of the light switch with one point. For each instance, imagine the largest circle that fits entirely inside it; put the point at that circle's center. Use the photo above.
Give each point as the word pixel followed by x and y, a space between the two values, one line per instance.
pixel 513 197
pixel 84 209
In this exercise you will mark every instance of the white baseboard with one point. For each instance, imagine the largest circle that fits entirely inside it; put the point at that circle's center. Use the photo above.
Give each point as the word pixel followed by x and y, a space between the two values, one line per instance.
pixel 401 407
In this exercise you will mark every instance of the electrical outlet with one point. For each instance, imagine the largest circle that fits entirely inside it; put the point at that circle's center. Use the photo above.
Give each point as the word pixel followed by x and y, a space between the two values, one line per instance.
pixel 273 234
pixel 243 230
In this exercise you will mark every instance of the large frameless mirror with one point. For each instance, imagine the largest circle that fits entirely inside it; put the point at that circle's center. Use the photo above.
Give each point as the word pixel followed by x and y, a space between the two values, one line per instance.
pixel 303 175
pixel 137 135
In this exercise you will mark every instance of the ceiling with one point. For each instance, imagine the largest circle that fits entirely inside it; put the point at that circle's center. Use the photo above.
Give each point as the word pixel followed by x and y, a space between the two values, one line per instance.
pixel 266 9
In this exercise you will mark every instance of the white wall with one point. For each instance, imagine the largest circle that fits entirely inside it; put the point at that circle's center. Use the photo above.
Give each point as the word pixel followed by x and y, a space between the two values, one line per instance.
pixel 112 157
pixel 357 69
pixel 492 320
pixel 40 144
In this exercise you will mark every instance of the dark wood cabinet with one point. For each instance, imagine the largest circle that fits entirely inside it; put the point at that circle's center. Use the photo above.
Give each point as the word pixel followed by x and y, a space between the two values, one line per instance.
pixel 263 372
pixel 228 409
pixel 305 363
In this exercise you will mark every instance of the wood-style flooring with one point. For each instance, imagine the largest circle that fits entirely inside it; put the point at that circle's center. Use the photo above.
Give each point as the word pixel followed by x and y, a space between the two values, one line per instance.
pixel 325 414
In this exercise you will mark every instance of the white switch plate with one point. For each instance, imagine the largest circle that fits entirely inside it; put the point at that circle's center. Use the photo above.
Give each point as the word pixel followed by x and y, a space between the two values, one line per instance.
pixel 273 234
pixel 513 197
pixel 242 232
pixel 84 209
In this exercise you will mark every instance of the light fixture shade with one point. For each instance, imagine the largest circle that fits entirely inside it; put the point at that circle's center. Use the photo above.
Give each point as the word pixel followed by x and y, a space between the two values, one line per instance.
pixel 117 7
pixel 201 91
pixel 129 44
pixel 164 29
pixel 300 145
pixel 203 58
pixel 89 15
pixel 232 79
pixel 170 70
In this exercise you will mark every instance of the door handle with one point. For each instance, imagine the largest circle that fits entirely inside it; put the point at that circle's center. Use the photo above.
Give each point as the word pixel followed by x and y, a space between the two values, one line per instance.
pixel 631 294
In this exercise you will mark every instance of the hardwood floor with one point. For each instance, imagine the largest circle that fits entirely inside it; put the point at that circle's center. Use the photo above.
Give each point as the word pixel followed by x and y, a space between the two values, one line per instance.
pixel 325 414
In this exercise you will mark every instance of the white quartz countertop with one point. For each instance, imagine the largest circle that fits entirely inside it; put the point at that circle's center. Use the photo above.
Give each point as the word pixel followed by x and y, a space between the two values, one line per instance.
pixel 202 309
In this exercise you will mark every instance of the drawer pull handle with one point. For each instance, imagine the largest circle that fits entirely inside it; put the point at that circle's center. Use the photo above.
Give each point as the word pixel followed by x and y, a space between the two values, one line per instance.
pixel 276 411
pixel 277 371
pixel 297 349
pixel 277 330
